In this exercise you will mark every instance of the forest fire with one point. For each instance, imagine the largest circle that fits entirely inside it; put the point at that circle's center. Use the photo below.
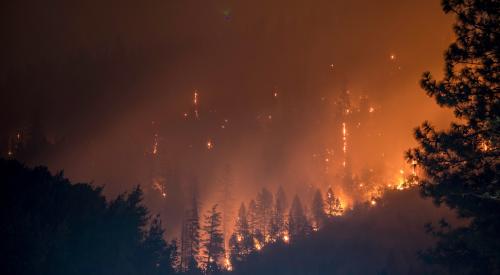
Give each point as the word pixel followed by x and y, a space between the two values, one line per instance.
pixel 247 137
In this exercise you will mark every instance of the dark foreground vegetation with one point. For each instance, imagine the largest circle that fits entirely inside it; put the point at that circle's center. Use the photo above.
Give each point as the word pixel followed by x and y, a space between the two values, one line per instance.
pixel 50 226
pixel 55 227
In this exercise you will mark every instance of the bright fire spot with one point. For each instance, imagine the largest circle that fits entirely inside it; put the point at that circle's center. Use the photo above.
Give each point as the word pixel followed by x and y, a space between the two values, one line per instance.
pixel 484 146
pixel 393 56
pixel 286 238
pixel 195 98
pixel 227 264
pixel 155 144
pixel 373 202
pixel 344 137
pixel 371 110
pixel 18 135
pixel 210 145
pixel 275 94
pixel 238 238
pixel 270 117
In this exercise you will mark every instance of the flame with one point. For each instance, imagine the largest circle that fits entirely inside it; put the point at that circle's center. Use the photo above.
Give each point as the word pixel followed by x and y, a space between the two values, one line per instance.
pixel 344 138
pixel 227 263
pixel 155 144
pixel 286 237
pixel 257 244
pixel 210 145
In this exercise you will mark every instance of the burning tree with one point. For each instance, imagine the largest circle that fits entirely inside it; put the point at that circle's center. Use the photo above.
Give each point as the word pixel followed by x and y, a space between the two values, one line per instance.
pixel 278 221
pixel 333 205
pixel 461 164
pixel 213 246
pixel 241 241
pixel 252 217
pixel 264 212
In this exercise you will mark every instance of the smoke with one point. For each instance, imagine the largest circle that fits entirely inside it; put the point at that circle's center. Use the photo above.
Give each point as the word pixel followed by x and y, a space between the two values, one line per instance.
pixel 99 80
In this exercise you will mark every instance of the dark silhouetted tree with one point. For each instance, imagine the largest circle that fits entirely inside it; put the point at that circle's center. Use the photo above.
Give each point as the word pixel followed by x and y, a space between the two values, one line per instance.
pixel 51 226
pixel 298 225
pixel 190 238
pixel 264 202
pixel 241 242
pixel 461 164
pixel 213 245
pixel 318 210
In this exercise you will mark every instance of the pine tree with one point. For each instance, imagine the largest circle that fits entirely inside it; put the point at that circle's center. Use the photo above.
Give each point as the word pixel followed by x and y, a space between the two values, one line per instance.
pixel 318 210
pixel 297 221
pixel 190 242
pixel 333 205
pixel 226 200
pixel 158 256
pixel 264 212
pixel 252 217
pixel 213 246
pixel 461 164
pixel 241 242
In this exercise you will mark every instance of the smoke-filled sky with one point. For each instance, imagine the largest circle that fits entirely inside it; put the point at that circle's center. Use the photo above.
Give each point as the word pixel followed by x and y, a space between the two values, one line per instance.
pixel 103 81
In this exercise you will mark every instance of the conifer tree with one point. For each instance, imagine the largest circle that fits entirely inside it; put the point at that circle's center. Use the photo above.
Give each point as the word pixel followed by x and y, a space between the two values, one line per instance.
pixel 213 245
pixel 190 239
pixel 461 164
pixel 333 205
pixel 318 210
pixel 298 225
pixel 264 212
pixel 252 217
pixel 241 241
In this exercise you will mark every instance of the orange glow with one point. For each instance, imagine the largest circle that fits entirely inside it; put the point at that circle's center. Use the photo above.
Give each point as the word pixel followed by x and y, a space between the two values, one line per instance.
pixel 155 145
pixel 286 237
pixel 210 145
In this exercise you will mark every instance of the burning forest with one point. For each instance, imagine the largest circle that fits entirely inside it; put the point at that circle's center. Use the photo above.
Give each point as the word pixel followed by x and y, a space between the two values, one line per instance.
pixel 222 137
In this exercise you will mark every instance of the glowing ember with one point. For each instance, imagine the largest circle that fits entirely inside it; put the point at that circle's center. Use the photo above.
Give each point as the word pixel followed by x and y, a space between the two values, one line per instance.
pixel 227 264
pixel 155 145
pixel 286 238
pixel 210 145
pixel 195 98
pixel 371 110
pixel 393 57
pixel 344 138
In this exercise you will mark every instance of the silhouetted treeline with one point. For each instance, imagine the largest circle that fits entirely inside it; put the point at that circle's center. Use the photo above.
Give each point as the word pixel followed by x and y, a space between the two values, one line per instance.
pixel 381 239
pixel 50 226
